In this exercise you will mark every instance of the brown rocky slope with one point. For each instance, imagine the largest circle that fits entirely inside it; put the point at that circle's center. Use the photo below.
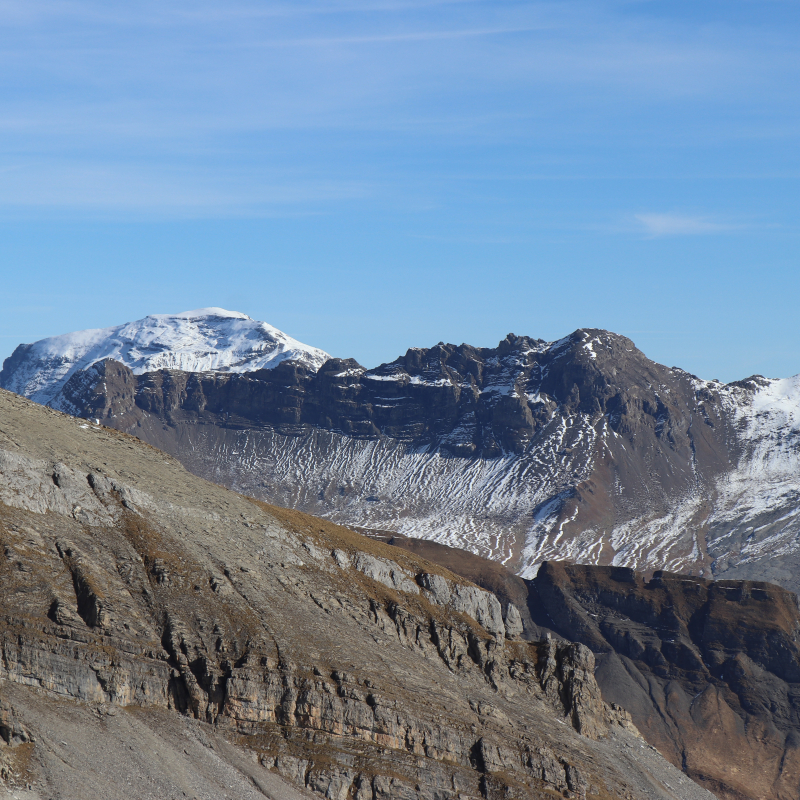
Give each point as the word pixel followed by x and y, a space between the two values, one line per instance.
pixel 709 671
pixel 161 636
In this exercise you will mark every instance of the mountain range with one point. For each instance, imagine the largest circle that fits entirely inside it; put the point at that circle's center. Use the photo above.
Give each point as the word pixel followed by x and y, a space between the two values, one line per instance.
pixel 580 449
pixel 258 651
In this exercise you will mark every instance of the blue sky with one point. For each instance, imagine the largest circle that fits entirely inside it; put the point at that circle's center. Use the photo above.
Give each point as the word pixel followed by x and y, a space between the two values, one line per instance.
pixel 374 175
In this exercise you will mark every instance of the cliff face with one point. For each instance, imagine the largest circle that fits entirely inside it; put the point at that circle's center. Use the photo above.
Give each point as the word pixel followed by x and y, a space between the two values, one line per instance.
pixel 709 671
pixel 143 608
pixel 470 401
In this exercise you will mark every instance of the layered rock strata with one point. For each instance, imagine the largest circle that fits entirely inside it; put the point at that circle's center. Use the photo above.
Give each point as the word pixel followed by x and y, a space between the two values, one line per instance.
pixel 709 671
pixel 343 666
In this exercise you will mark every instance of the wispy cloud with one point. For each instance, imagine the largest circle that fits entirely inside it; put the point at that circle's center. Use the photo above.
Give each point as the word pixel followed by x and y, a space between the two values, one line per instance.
pixel 681 225
pixel 347 92
pixel 411 36
pixel 117 189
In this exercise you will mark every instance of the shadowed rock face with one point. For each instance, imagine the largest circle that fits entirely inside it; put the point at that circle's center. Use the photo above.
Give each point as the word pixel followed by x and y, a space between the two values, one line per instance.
pixel 709 671
pixel 468 400
pixel 143 607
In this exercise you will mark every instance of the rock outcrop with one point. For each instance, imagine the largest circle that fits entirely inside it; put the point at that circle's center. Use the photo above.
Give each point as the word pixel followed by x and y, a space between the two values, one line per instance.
pixel 143 607
pixel 709 671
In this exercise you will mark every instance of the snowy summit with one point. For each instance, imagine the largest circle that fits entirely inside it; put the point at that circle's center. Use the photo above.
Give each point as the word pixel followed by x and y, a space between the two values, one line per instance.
pixel 208 339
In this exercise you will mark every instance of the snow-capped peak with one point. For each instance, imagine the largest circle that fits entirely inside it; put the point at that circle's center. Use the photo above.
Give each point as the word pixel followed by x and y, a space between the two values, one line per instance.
pixel 194 341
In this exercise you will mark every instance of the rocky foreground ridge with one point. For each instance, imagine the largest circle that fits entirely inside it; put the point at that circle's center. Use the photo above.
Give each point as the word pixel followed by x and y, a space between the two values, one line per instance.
pixel 161 636
pixel 581 449
pixel 709 671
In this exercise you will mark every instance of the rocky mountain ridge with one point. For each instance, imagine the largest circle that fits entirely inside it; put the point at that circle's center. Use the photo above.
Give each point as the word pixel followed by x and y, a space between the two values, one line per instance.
pixel 252 651
pixel 581 449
